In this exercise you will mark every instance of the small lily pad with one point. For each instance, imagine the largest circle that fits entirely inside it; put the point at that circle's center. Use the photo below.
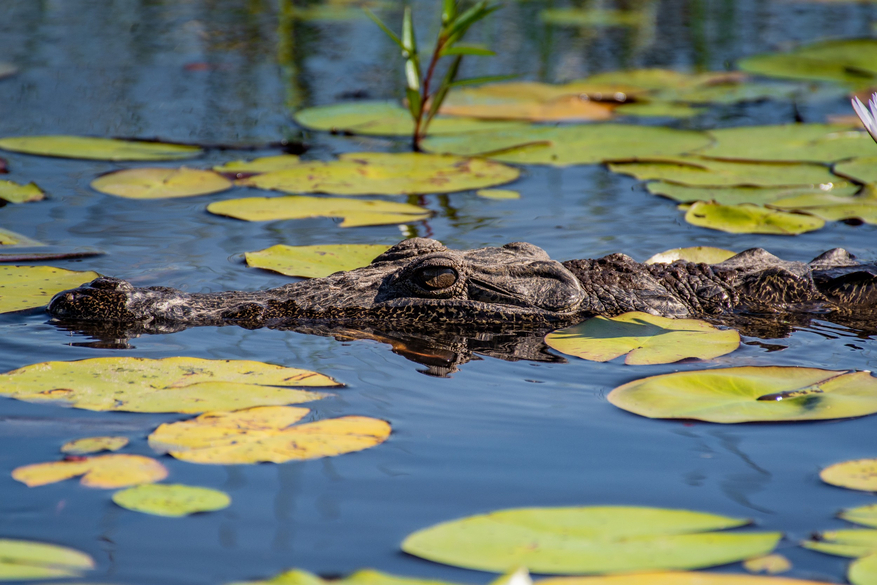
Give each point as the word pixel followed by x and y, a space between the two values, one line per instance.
pixel 864 515
pixel 85 147
pixel 592 17
pixel 749 394
pixel 700 254
pixel 28 287
pixel 94 445
pixel 103 471
pixel 860 474
pixel 750 219
pixel 498 194
pixel 8 238
pixel 697 171
pixel 362 577
pixel 821 143
pixel 265 433
pixel 645 339
pixel 25 560
pixel 314 261
pixel 13 192
pixel 264 164
pixel 678 578
pixel 771 564
pixel 174 500
pixel 160 183
pixel 862 169
pixel 738 195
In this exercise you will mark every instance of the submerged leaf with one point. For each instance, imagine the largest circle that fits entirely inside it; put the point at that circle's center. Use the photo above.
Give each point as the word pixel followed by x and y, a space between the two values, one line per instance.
pixel 174 500
pixel 160 183
pixel 27 287
pixel 13 192
pixel 25 559
pixel 698 171
pixel 314 261
pixel 704 254
pixel 821 143
pixel 103 471
pixel 94 445
pixel 750 219
pixel 85 147
pixel 860 474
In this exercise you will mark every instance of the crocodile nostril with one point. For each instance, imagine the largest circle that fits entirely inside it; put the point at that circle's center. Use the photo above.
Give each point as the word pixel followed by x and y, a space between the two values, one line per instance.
pixel 70 297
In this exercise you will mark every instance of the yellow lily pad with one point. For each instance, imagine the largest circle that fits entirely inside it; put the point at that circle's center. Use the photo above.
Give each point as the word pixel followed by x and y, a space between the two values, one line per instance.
pixel 8 238
pixel 28 287
pixel 13 192
pixel 698 171
pixel 355 212
pixel 754 195
pixel 860 474
pixel 85 147
pixel 821 143
pixel 25 560
pixel 314 261
pixel 103 471
pixel 864 515
pixel 863 571
pixel 750 219
pixel 658 109
pixel 264 164
pixel 750 394
pixel 173 500
pixel 644 339
pixel 678 578
pixel 831 207
pixel 160 183
pixel 699 254
pixel 862 169
pixel 178 384
pixel 381 173
pixel 362 577
pixel 94 445
pixel 498 194
pixel 770 564
pixel 598 539
pixel 265 433
pixel 525 100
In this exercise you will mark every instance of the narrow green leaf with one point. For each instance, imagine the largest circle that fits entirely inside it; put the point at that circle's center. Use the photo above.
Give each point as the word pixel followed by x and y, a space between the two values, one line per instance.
pixel 470 17
pixel 467 50
pixel 449 12
pixel 384 28
pixel 409 42
pixel 439 96
pixel 412 75
pixel 414 103
pixel 483 79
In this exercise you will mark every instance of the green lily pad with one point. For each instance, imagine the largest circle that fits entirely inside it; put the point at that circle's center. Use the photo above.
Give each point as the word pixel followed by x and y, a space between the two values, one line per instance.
pixel 160 183
pixel 750 219
pixel 179 384
pixel 89 445
pixel 749 394
pixel 678 578
pixel 314 261
pixel 822 143
pixel 738 195
pixel 658 109
pixel 569 145
pixel 847 61
pixel 864 515
pixel 645 339
pixel 863 169
pixel 363 577
pixel 264 164
pixel 697 171
pixel 598 539
pixel 844 543
pixel 863 571
pixel 356 212
pixel 700 254
pixel 498 194
pixel 831 207
pixel 28 287
pixel 860 474
pixel 25 559
pixel 85 147
pixel 595 17
pixel 8 238
pixel 13 192
pixel 174 500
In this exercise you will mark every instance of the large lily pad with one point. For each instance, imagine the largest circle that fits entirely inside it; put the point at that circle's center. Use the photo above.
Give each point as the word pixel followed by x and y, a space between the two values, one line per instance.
pixel 382 173
pixel 644 339
pixel 599 539
pixel 698 171
pixel 823 143
pixel 678 578
pixel 568 145
pixel 314 261
pixel 832 207
pixel 848 61
pixel 751 393
pixel 738 195
pixel 860 474
pixel 704 254
pixel 862 169
pixel 265 433
pixel 178 384
pixel 25 559
pixel 27 287
pixel 355 212
pixel 863 571
pixel 160 183
pixel 13 192
pixel 750 219
pixel 103 471
pixel 85 147
pixel 173 500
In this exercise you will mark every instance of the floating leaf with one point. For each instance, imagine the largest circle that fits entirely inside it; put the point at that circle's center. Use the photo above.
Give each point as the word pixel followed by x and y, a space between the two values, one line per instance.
pixel 599 539
pixel 596 17
pixel 645 339
pixel 864 515
pixel 747 394
pixel 525 100
pixel 750 219
pixel 94 445
pixel 381 173
pixel 85 147
pixel 568 145
pixel 847 61
pixel 103 471
pixel 362 577
pixel 27 287
pixel 691 170
pixel 863 571
pixel 658 109
pixel 844 543
pixel 314 261
pixel 265 434
pixel 771 564
pixel 498 194
pixel 8 238
pixel 25 559
pixel 173 500
pixel 178 384
pixel 831 207
pixel 677 578
pixel 356 212
pixel 704 254
pixel 863 170
pixel 738 195
pixel 160 183
pixel 15 193
pixel 822 143
pixel 264 164
pixel 860 474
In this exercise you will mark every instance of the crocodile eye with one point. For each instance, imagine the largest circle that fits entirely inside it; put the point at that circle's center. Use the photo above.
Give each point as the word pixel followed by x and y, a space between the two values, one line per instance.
pixel 437 277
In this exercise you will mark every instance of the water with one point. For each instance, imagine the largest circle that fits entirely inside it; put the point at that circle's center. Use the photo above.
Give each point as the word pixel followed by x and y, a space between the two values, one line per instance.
pixel 496 433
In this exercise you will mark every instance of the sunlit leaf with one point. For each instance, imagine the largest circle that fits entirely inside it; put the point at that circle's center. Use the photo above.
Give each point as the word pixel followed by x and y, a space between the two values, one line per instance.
pixel 692 170
pixel 599 539
pixel 263 164
pixel 847 61
pixel 863 571
pixel 750 393
pixel 568 145
pixel 864 515
pixel 387 174
pixel 173 500
pixel 498 194
pixel 25 559
pixel 103 471
pixel 525 100
pixel 8 238
pixel 97 148
pixel 27 287
pixel 265 434
pixel 738 195
pixel 160 183
pixel 356 212
pixel 678 578
pixel 178 384
pixel 822 143
pixel 750 219
pixel 314 261
pixel 596 17
pixel 704 254
pixel 844 543
pixel 658 109
pixel 860 474
pixel 771 564
pixel 362 577
pixel 94 445
pixel 859 169
pixel 644 339
pixel 13 192
pixel 831 207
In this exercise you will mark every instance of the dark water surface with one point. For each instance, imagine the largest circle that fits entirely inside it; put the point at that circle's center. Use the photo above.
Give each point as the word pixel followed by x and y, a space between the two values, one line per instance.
pixel 495 434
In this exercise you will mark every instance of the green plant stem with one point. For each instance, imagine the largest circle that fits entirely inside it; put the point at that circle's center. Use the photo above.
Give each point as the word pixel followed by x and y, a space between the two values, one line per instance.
pixel 420 127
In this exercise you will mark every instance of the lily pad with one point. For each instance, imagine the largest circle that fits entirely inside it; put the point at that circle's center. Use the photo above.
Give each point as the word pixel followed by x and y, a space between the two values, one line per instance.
pixel 860 474
pixel 498 194
pixel 738 195
pixel 25 559
pixel 864 515
pixel 355 212
pixel 8 238
pixel 750 219
pixel 28 287
pixel 863 571
pixel 314 261
pixel 863 169
pixel 821 143
pixel 362 577
pixel 750 394
pixel 831 207
pixel 160 183
pixel 568 145
pixel 658 109
pixel 700 254
pixel 13 192
pixel 94 445
pixel 771 564
pixel 178 384
pixel 594 17
pixel 103 471
pixel 264 164
pixel 644 339
pixel 174 500
pixel 848 61
pixel 599 539
pixel 844 543
pixel 678 578
pixel 381 173
pixel 265 433
pixel 85 147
